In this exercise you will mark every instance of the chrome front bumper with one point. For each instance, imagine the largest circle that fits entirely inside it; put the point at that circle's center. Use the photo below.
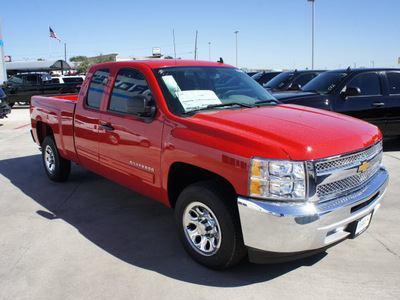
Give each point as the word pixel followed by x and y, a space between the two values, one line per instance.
pixel 287 227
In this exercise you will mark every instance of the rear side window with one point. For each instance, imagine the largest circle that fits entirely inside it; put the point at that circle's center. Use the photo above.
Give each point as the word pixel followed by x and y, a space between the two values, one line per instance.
pixel 394 83
pixel 368 83
pixel 96 88
pixel 32 79
pixel 129 83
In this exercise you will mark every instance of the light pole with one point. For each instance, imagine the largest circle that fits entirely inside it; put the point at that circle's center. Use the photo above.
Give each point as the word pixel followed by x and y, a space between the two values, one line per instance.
pixel 236 32
pixel 313 31
pixel 209 51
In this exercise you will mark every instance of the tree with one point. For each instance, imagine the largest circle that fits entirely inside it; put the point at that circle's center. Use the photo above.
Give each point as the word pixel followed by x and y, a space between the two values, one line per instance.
pixel 78 58
pixel 84 63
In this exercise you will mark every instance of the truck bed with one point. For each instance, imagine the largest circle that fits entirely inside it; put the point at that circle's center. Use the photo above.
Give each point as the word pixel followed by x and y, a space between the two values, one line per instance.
pixel 55 114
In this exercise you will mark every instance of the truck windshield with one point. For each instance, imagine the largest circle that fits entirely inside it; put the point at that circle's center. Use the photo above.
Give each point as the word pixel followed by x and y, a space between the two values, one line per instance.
pixel 279 80
pixel 325 83
pixel 193 88
pixel 15 80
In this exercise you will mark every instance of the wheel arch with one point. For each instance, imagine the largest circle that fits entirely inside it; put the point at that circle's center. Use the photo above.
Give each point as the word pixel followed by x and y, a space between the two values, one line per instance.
pixel 42 131
pixel 179 179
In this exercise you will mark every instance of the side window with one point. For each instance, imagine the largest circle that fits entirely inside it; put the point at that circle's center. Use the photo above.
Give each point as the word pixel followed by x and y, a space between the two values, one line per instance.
pixel 368 83
pixel 96 88
pixel 129 83
pixel 32 80
pixel 394 83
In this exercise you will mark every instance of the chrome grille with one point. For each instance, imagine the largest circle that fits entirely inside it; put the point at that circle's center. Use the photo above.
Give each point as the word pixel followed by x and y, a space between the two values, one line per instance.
pixel 343 185
pixel 349 160
pixel 338 175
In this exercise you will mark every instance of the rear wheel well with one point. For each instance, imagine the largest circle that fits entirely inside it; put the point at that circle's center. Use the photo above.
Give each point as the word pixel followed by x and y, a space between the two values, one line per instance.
pixel 182 175
pixel 43 130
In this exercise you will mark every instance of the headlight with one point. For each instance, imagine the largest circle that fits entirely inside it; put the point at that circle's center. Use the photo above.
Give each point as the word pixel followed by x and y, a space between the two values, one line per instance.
pixel 277 179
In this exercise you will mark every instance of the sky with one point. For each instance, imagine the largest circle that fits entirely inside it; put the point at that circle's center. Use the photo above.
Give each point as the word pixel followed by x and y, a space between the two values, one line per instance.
pixel 272 34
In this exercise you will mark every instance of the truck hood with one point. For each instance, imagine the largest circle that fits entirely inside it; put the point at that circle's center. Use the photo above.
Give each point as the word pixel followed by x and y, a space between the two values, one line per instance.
pixel 287 131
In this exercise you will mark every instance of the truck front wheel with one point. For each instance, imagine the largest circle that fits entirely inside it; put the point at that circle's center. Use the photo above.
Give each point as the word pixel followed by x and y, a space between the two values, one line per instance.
pixel 57 168
pixel 208 225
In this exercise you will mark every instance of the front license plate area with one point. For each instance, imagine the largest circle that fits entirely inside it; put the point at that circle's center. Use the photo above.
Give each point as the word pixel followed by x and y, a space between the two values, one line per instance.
pixel 358 227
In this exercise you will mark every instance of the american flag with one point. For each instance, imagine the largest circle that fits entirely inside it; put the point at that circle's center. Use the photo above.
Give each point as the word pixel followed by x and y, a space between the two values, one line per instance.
pixel 54 35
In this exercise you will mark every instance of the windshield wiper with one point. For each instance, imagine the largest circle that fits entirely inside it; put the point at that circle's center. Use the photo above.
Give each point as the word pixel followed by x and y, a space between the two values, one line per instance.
pixel 230 104
pixel 220 105
pixel 274 101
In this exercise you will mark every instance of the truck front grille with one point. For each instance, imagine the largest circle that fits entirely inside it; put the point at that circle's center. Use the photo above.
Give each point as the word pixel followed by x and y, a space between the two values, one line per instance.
pixel 338 175
pixel 337 163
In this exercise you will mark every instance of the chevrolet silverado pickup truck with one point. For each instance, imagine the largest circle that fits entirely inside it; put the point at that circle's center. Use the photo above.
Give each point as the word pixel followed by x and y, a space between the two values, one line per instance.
pixel 372 95
pixel 245 174
pixel 21 87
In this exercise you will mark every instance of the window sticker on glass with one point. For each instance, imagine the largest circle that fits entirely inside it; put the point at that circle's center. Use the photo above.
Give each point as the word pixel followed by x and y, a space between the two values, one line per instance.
pixel 192 100
pixel 171 84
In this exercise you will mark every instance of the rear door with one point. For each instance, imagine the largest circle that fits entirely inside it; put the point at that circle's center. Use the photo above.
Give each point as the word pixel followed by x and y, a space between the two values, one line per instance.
pixel 129 146
pixel 393 103
pixel 32 86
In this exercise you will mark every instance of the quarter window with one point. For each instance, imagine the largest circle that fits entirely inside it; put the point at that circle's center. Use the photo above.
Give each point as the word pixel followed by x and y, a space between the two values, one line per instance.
pixel 368 83
pixel 96 88
pixel 394 83
pixel 129 83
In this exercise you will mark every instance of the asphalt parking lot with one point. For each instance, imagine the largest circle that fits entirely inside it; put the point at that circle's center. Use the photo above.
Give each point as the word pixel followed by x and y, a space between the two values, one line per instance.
pixel 90 238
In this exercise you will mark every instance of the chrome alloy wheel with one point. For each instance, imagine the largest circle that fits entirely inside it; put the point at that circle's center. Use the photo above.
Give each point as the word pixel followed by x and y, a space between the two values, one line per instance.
pixel 49 159
pixel 201 228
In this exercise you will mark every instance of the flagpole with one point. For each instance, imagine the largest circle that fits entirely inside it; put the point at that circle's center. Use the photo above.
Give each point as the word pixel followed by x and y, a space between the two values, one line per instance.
pixel 49 41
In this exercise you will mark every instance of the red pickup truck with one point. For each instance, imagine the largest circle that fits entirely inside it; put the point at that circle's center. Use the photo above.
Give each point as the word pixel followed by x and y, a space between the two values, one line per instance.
pixel 245 174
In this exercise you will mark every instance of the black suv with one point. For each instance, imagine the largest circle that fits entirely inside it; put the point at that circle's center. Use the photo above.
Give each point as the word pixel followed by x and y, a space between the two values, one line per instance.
pixel 372 95
pixel 291 80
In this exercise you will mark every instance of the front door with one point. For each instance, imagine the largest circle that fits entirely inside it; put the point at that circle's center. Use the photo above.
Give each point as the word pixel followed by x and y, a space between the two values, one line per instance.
pixel 130 147
pixel 370 104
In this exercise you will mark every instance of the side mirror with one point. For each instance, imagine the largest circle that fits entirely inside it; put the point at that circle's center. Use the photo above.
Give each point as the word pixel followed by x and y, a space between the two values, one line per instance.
pixel 139 105
pixel 351 91
pixel 294 87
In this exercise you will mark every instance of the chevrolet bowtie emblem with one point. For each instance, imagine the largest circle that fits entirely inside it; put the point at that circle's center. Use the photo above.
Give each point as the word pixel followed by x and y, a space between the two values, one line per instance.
pixel 363 168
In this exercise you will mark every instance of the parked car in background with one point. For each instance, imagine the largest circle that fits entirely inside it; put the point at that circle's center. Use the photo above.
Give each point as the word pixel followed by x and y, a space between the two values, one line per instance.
pixel 291 80
pixel 21 87
pixel 264 77
pixel 372 95
pixel 4 108
pixel 67 79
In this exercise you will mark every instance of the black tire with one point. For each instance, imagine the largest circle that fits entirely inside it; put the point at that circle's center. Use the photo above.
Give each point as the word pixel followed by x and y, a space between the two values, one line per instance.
pixel 56 167
pixel 208 225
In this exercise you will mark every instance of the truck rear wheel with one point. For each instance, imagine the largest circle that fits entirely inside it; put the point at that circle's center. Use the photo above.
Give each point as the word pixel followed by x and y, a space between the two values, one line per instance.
pixel 208 225
pixel 57 168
